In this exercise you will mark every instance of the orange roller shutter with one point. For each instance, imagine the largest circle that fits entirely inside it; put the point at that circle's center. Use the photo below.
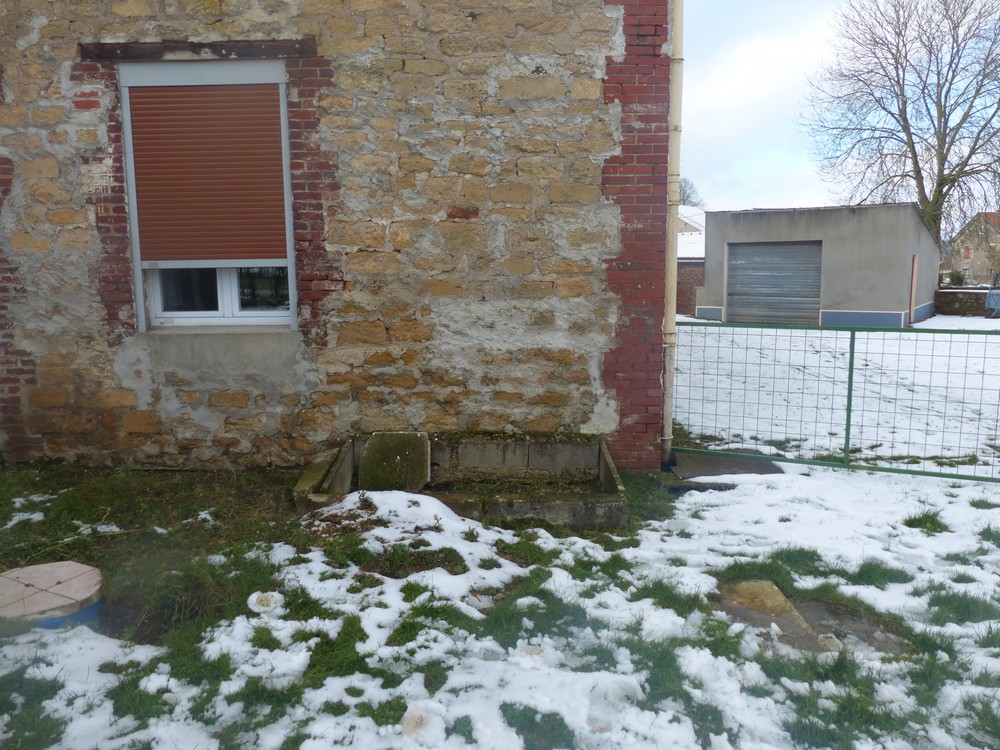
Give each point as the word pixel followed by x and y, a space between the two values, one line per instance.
pixel 209 176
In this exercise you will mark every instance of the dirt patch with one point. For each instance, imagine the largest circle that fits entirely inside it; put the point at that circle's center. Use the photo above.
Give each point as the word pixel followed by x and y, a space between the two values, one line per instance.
pixel 847 625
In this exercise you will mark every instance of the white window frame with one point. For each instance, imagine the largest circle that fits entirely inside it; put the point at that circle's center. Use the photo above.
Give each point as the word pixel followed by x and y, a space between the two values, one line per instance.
pixel 149 300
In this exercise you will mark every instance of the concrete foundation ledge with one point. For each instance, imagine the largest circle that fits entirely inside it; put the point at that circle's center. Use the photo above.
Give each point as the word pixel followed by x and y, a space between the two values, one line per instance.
pixel 498 478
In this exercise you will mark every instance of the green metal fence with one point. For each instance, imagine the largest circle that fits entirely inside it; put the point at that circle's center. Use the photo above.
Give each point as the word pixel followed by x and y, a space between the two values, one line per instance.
pixel 915 401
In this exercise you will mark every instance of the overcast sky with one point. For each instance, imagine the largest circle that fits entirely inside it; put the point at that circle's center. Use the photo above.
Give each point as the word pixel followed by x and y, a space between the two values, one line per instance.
pixel 745 65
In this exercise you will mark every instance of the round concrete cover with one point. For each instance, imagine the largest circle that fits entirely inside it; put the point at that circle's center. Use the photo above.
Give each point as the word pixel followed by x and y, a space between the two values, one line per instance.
pixel 43 592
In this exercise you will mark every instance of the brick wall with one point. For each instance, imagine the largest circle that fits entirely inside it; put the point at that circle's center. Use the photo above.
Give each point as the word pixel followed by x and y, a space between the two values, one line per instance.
pixel 690 276
pixel 636 180
pixel 17 366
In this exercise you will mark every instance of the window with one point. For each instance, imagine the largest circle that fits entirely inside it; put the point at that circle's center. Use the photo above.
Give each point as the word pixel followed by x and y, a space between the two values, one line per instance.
pixel 966 252
pixel 207 166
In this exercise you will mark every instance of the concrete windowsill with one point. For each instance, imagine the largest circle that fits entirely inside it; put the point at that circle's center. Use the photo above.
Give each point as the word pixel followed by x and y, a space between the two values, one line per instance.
pixel 229 330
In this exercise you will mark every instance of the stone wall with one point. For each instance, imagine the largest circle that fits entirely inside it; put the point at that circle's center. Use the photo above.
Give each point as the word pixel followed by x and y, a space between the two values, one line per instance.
pixel 479 205
pixel 966 302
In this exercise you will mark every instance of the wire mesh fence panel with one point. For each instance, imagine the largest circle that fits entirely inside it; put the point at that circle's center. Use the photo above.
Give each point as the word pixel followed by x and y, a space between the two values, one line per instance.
pixel 916 400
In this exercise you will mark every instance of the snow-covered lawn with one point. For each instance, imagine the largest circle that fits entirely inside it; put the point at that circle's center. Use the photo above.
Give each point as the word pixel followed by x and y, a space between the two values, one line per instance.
pixel 580 651
pixel 919 399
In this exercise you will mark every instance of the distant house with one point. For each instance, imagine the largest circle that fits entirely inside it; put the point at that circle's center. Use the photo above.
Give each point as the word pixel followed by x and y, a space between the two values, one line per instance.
pixel 973 247
pixel 690 257
pixel 846 265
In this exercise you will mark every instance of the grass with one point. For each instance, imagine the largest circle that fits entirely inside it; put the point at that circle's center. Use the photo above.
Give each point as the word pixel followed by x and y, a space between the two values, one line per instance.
pixel 200 574
pixel 525 551
pixel 152 579
pixel 401 560
pixel 648 496
pixel 990 534
pixel 929 522
pixel 981 503
pixel 666 596
pixel 990 638
pixel 955 607
pixel 878 574
pixel 538 731
pixel 667 681
pixel 21 698
pixel 831 719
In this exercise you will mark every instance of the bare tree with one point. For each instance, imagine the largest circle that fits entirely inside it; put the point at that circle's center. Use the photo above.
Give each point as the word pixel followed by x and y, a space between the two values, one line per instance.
pixel 910 107
pixel 689 194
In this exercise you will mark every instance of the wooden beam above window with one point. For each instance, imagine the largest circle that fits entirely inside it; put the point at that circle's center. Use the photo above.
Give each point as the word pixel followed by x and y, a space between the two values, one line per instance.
pixel 266 49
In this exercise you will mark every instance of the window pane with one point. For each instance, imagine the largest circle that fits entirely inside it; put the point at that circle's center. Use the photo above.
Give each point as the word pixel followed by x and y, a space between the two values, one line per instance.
pixel 189 290
pixel 263 289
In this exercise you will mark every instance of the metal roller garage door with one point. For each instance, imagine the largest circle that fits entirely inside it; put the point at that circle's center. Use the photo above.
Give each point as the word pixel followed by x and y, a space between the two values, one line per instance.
pixel 773 283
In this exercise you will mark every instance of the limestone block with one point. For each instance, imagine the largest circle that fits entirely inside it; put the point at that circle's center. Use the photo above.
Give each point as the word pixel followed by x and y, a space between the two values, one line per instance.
pixel 572 192
pixel 362 332
pixel 469 164
pixel 407 84
pixel 575 286
pixel 134 8
pixel 416 163
pixel 493 25
pixel 106 398
pixel 356 233
pixel 379 26
pixel 473 89
pixel 540 167
pixel 532 87
pixel 508 397
pixel 367 5
pixel 41 167
pixel 519 266
pixel 564 266
pixel 229 399
pixel 141 422
pixel 534 289
pixel 405 45
pixel 13 116
pixel 443 287
pixel 48 396
pixel 349 46
pixel 586 88
pixel 443 188
pixel 551 398
pixel 458 45
pixel 425 67
pixel 330 398
pixel 440 420
pixel 23 242
pixel 546 424
pixel 47 116
pixel 373 263
pixel 410 330
pixel 63 216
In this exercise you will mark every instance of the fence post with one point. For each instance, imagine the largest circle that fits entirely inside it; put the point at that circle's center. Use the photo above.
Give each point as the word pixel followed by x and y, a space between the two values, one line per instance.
pixel 850 401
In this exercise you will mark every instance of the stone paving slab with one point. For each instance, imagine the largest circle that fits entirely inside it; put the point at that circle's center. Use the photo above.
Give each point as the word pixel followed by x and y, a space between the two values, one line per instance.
pixel 49 590
pixel 761 605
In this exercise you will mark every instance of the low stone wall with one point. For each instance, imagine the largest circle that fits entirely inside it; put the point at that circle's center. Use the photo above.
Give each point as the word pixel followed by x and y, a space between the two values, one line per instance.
pixel 968 302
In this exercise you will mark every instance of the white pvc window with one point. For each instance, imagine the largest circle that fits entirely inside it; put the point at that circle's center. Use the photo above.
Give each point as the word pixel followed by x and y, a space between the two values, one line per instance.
pixel 191 290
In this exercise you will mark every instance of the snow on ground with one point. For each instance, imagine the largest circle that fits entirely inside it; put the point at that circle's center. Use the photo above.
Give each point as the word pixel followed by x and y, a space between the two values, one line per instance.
pixel 918 399
pixel 848 518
